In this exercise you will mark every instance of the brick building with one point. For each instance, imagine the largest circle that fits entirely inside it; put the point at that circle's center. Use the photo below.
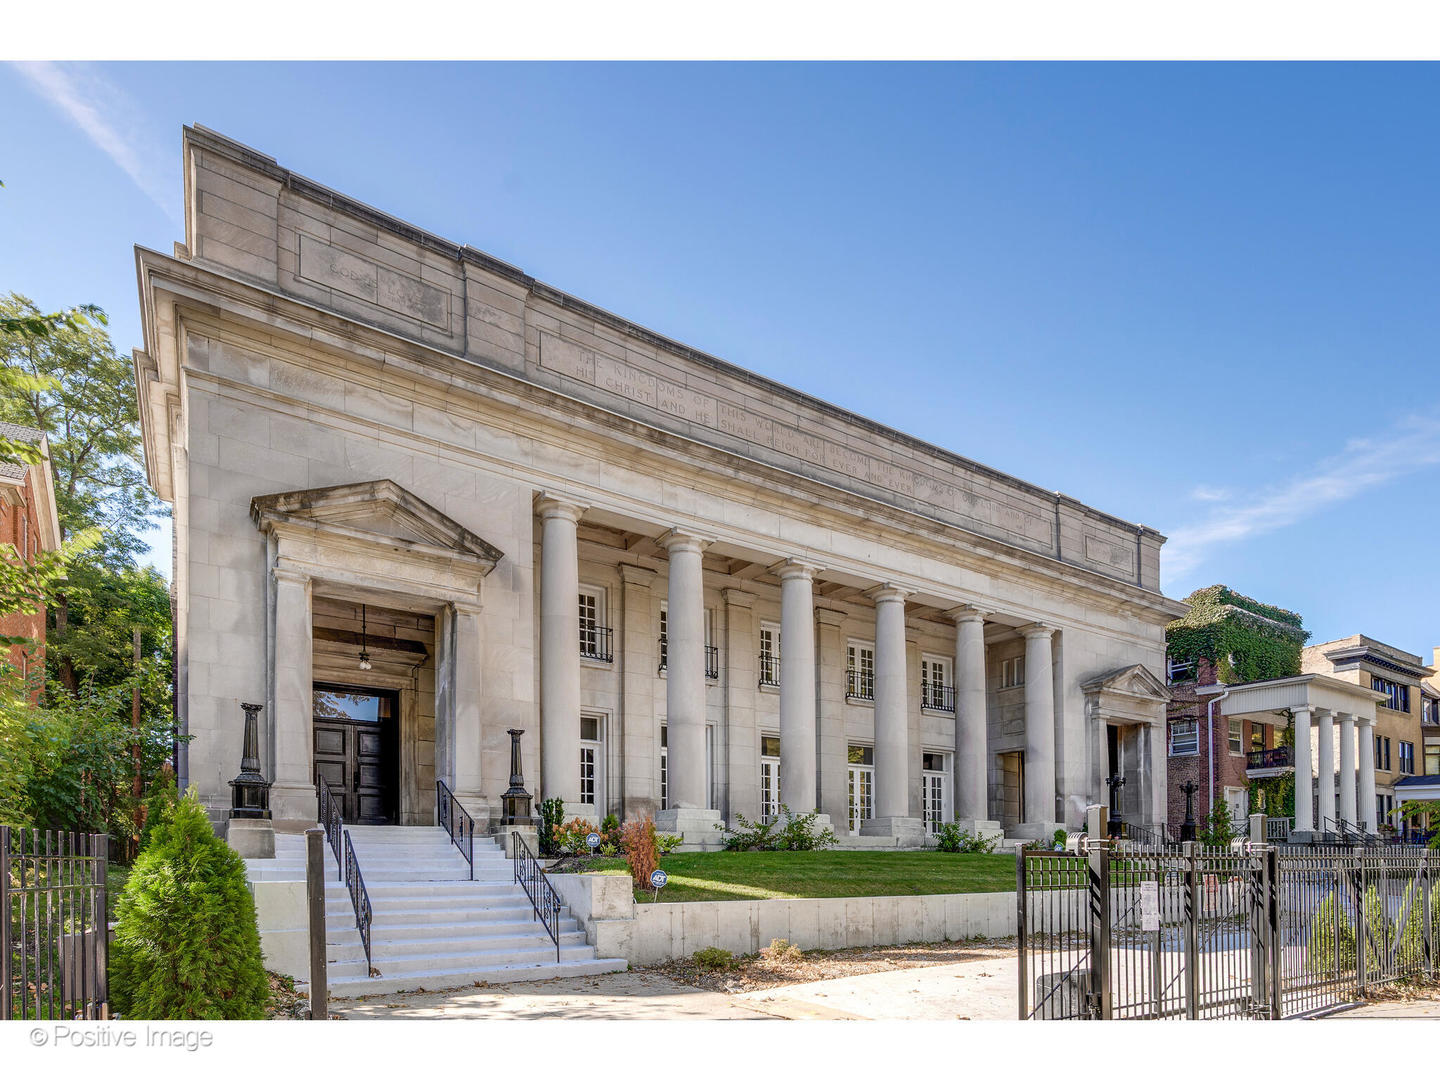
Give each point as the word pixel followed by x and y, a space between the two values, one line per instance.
pixel 30 524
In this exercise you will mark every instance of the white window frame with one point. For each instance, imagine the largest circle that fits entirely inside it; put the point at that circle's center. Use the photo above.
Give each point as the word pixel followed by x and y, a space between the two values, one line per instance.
pixel 935 792
pixel 1012 673
pixel 1235 737
pixel 1193 741
pixel 936 674
pixel 860 658
pixel 596 594
pixel 769 676
pixel 861 779
pixel 769 780
pixel 592 758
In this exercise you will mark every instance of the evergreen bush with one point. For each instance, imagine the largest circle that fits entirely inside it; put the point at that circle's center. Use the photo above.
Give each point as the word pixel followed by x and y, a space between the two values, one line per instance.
pixel 186 946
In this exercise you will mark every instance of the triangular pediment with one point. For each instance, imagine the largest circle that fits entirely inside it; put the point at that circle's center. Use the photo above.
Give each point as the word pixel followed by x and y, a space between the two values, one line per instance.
pixel 376 509
pixel 1135 680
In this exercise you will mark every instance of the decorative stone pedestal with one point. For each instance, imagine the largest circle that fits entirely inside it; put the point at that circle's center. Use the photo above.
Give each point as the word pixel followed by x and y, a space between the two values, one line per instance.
pixel 529 833
pixel 582 810
pixel 695 827
pixel 251 838
pixel 906 831
pixel 1034 830
pixel 985 830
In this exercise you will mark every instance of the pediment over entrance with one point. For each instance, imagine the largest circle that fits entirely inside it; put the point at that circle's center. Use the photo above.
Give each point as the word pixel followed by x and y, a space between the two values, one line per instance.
pixel 1130 693
pixel 376 511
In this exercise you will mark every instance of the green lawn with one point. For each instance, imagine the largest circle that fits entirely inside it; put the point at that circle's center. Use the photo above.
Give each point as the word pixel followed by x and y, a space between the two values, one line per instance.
pixel 761 875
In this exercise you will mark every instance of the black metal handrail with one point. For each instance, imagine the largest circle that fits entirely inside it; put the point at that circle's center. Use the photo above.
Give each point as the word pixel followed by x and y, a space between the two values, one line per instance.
pixel 769 669
pixel 453 818
pixel 331 820
pixel 712 659
pixel 1277 757
pixel 859 685
pixel 937 696
pixel 544 901
pixel 596 643
pixel 359 900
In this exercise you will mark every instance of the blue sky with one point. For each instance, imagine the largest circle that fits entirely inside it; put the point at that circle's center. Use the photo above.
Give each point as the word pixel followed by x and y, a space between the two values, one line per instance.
pixel 1203 297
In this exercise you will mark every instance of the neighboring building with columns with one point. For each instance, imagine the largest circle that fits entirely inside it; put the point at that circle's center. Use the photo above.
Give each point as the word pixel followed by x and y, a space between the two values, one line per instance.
pixel 421 498
pixel 1397 742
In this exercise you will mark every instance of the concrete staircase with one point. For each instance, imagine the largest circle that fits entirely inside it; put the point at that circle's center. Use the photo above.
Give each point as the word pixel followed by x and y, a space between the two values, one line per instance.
pixel 431 927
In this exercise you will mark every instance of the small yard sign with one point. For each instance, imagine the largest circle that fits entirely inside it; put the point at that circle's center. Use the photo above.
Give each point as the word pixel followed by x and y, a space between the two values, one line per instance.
pixel 658 878
pixel 1149 905
pixel 593 840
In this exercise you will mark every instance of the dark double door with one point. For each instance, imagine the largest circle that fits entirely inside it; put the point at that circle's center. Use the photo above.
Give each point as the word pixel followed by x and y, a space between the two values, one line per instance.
pixel 356 750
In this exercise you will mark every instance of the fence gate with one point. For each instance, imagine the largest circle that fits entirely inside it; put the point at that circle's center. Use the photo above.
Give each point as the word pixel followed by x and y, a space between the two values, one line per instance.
pixel 1196 933
pixel 52 925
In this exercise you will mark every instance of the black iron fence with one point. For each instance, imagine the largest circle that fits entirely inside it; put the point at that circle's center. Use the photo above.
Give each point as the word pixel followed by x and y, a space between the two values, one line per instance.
pixel 937 697
pixel 597 643
pixel 544 901
pixel 53 929
pixel 860 684
pixel 1277 757
pixel 1259 932
pixel 453 818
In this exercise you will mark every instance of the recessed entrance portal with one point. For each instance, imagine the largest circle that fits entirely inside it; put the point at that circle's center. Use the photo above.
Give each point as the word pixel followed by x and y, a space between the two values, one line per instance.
pixel 356 750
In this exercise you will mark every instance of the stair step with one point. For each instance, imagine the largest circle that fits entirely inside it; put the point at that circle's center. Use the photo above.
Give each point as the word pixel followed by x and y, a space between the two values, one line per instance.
pixel 357 986
pixel 456 931
pixel 351 960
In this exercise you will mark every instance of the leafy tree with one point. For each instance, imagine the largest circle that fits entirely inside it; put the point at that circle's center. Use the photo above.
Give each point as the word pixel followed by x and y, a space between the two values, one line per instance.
pixel 186 944
pixel 1219 828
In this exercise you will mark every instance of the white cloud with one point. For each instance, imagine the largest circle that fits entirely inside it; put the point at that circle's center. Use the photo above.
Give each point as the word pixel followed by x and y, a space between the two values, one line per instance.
pixel 110 119
pixel 1209 494
pixel 1363 464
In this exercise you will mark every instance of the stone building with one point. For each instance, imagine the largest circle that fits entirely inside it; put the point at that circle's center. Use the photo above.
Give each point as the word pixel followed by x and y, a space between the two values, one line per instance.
pixel 421 498
pixel 29 523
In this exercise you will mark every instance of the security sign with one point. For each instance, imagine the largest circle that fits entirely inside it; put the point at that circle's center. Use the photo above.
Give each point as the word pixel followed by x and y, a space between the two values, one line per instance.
pixel 658 878
pixel 593 840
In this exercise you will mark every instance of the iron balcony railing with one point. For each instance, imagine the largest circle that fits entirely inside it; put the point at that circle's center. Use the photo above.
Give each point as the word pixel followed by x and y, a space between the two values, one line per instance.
pixel 451 817
pixel 331 820
pixel 937 696
pixel 860 684
pixel 596 643
pixel 769 667
pixel 712 659
pixel 359 900
pixel 1277 757
pixel 544 901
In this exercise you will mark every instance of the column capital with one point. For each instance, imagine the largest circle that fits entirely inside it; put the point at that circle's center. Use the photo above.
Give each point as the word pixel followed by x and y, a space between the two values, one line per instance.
pixel 967 613
pixel 549 504
pixel 827 616
pixel 786 569
pixel 889 592
pixel 1036 630
pixel 1365 721
pixel 1324 714
pixel 636 575
pixel 737 598
pixel 290 575
pixel 466 607
pixel 1344 717
pixel 681 539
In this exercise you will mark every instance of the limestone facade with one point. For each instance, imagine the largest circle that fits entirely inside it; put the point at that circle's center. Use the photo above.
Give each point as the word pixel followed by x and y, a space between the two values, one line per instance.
pixel 776 599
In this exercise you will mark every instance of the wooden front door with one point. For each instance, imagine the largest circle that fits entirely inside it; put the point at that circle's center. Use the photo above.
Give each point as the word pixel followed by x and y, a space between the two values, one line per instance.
pixel 355 750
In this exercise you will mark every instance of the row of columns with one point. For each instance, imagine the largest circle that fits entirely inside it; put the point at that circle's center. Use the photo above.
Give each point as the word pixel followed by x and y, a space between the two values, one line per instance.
pixel 685 686
pixel 1314 810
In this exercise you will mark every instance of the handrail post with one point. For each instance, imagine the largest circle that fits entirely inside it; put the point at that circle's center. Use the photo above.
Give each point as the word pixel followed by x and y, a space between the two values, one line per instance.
pixel 1272 929
pixel 1192 930
pixel 1099 879
pixel 1020 932
pixel 315 894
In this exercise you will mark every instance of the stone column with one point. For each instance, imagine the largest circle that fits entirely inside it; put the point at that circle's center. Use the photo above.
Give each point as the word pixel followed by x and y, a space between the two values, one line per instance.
pixel 892 725
pixel 798 789
pixel 639 757
pixel 971 796
pixel 1040 819
pixel 1325 803
pixel 834 745
pixel 292 794
pixel 689 813
pixel 560 654
pixel 1158 773
pixel 467 715
pixel 742 751
pixel 1347 768
pixel 1304 796
pixel 1366 810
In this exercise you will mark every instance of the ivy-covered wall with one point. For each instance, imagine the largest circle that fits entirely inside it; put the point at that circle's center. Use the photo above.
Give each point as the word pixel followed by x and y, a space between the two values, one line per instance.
pixel 1246 640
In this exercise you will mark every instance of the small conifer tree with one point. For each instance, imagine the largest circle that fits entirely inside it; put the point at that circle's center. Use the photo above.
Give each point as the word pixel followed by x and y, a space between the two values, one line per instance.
pixel 186 946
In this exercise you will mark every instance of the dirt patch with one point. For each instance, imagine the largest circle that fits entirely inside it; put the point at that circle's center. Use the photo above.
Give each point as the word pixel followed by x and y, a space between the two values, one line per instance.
pixel 285 1002
pixel 1407 990
pixel 772 967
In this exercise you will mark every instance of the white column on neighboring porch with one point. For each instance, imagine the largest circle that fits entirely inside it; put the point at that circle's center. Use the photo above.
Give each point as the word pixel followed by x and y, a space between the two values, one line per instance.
pixel 798 789
pixel 1365 732
pixel 972 756
pixel 1347 768
pixel 559 650
pixel 293 792
pixel 892 723
pixel 685 671
pixel 1039 725
pixel 465 708
pixel 1325 802
pixel 1159 787
pixel 1304 795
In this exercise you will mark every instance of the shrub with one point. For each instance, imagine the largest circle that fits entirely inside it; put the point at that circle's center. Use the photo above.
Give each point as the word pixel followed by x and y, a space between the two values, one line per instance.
pixel 569 838
pixel 610 832
pixel 642 852
pixel 1059 839
pixel 1219 828
pixel 788 832
pixel 552 813
pixel 667 842
pixel 954 839
pixel 161 803
pixel 713 959
pixel 781 951
pixel 186 946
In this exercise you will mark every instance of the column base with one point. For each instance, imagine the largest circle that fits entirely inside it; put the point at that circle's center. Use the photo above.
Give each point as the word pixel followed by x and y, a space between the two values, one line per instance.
pixel 251 838
pixel 293 802
pixel 696 828
pixel 1033 830
pixel 529 833
pixel 905 831
pixel 984 829
pixel 583 810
